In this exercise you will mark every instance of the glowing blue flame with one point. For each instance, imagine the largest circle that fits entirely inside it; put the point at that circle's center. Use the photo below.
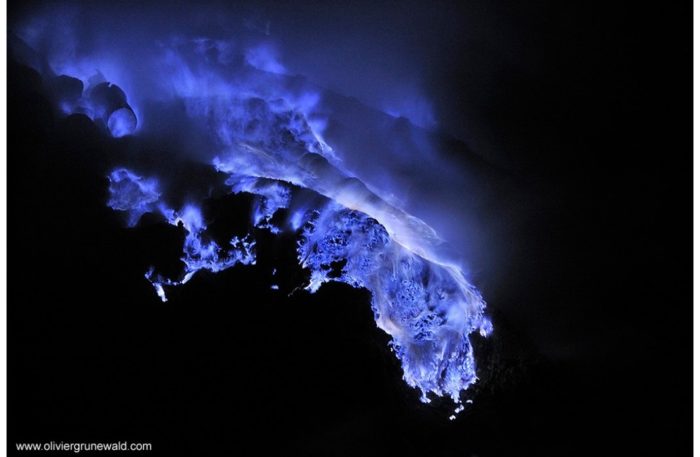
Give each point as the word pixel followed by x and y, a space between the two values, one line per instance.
pixel 267 138
pixel 429 310
pixel 103 102
pixel 200 254
pixel 271 197
pixel 122 122
pixel 132 194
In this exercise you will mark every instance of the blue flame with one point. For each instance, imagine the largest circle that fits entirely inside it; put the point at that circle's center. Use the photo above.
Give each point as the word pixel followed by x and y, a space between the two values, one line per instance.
pixel 198 253
pixel 266 136
pixel 429 310
pixel 132 194
pixel 122 122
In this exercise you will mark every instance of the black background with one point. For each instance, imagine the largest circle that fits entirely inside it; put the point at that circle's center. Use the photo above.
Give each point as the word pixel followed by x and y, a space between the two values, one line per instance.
pixel 597 126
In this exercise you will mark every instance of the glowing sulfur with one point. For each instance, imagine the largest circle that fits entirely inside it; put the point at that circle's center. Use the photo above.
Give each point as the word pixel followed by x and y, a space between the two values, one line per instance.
pixel 132 194
pixel 199 254
pixel 267 143
pixel 122 122
pixel 428 309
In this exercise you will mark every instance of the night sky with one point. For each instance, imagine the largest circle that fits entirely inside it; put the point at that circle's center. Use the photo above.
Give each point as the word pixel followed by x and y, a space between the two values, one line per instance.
pixel 570 123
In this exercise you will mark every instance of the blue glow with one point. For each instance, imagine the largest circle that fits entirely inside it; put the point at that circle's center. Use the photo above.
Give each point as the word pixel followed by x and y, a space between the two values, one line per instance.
pixel 267 137
pixel 103 102
pixel 271 196
pixel 419 296
pixel 199 254
pixel 136 196
pixel 132 194
pixel 264 57
pixel 429 310
pixel 122 122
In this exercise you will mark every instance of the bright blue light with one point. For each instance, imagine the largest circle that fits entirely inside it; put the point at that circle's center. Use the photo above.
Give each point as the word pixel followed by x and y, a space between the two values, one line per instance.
pixel 419 297
pixel 199 254
pixel 429 310
pixel 122 122
pixel 132 194
pixel 267 137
